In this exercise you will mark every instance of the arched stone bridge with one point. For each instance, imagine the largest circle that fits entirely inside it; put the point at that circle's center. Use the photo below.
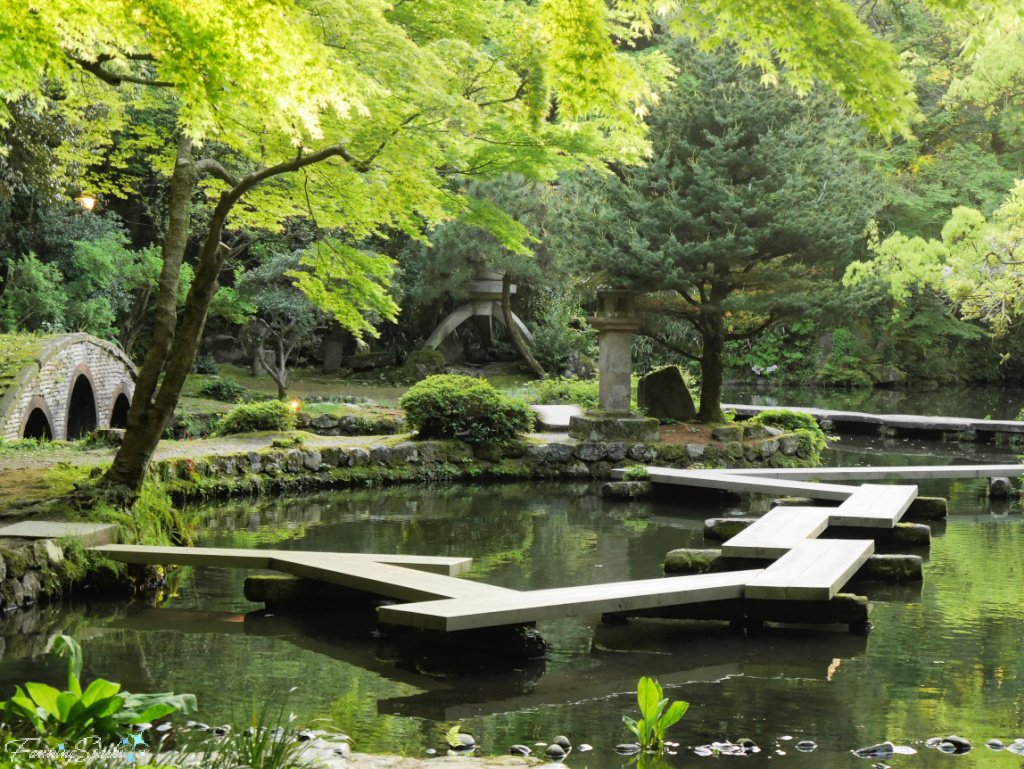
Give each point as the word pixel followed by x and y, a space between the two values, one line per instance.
pixel 69 386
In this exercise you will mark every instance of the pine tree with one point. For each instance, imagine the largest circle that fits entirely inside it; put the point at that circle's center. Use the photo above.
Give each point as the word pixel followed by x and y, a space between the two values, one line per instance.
pixel 752 199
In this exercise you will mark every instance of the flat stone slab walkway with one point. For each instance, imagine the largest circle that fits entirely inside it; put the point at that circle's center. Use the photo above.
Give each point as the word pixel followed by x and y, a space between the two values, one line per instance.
pixel 91 534
pixel 861 474
pixel 910 422
pixel 802 566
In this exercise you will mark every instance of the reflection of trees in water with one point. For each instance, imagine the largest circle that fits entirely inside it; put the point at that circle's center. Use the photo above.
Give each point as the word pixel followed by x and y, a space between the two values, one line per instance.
pixel 840 691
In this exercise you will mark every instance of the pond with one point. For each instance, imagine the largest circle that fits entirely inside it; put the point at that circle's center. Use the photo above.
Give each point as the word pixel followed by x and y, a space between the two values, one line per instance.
pixel 946 656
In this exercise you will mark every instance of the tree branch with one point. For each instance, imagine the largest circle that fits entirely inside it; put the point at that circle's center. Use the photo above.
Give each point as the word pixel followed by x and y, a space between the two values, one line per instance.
pixel 215 169
pixel 96 68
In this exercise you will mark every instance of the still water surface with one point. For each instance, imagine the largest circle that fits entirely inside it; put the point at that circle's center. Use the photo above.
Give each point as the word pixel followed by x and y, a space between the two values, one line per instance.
pixel 946 656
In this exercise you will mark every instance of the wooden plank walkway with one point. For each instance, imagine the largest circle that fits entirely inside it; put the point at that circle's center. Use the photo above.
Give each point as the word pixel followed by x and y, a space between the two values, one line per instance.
pixel 874 506
pixel 373 573
pixel 776 533
pixel 862 474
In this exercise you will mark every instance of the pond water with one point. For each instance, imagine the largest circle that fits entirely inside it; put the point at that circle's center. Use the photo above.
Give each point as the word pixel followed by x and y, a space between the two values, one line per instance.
pixel 946 657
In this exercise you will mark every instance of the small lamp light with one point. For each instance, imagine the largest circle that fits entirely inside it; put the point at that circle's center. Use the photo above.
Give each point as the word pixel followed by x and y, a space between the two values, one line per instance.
pixel 295 404
pixel 88 202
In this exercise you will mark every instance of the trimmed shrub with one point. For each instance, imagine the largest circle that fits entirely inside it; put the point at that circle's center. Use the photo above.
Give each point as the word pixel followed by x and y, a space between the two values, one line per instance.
pixel 450 406
pixel 254 417
pixel 224 390
pixel 582 393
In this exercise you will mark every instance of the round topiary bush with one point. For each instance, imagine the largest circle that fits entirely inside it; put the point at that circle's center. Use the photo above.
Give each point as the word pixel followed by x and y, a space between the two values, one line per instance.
pixel 254 417
pixel 451 406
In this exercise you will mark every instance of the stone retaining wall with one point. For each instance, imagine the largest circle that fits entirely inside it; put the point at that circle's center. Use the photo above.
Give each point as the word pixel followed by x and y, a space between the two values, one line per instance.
pixel 30 572
pixel 302 468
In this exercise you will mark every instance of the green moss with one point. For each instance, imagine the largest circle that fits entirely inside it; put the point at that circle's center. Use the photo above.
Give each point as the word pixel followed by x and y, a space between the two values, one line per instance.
pixel 16 352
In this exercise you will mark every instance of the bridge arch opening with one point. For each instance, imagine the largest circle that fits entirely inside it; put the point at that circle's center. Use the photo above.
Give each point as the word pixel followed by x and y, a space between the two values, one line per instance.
pixel 81 409
pixel 37 426
pixel 119 414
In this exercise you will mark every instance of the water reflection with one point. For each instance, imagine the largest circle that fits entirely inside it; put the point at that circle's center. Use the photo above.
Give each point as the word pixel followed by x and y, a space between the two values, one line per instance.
pixel 946 656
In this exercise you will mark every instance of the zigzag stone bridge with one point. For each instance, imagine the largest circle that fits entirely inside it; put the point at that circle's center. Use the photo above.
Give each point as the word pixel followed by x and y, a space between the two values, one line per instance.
pixel 796 564
pixel 69 386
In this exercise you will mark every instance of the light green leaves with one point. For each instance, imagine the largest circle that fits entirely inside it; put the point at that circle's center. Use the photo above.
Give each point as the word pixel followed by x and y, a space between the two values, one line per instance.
pixel 977 265
pixel 656 714
pixel 349 284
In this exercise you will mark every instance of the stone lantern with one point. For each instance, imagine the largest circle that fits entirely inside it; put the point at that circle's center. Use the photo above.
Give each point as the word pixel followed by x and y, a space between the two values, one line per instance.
pixel 616 322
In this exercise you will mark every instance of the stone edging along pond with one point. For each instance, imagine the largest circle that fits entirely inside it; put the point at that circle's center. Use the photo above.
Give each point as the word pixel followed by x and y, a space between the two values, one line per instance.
pixel 302 468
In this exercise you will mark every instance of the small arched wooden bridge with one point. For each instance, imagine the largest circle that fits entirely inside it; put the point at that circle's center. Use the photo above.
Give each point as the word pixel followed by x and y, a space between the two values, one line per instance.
pixel 799 565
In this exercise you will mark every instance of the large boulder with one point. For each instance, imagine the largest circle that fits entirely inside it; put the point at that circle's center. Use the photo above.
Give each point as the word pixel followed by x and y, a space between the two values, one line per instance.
pixel 664 395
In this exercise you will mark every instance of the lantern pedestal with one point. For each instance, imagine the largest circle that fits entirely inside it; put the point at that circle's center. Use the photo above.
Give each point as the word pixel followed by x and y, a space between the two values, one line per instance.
pixel 614 421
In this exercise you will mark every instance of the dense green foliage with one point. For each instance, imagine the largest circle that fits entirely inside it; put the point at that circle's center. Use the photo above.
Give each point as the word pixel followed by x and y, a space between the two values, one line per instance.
pixel 450 406
pixel 255 417
pixel 583 393
pixel 220 389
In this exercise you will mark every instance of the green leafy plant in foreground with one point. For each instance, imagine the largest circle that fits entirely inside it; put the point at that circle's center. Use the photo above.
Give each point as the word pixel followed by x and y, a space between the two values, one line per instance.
pixel 656 714
pixel 101 709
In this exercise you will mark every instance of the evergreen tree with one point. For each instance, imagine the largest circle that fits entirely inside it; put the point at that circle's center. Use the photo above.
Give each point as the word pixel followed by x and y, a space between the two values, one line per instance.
pixel 753 197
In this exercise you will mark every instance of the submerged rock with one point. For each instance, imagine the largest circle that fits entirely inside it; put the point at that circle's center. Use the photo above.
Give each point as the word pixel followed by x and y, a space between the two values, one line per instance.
pixel 555 752
pixel 584 747
pixel 806 746
pixel 994 745
pixel 882 750
pixel 464 742
pixel 627 749
pixel 562 742
pixel 749 746
pixel 958 744
pixel 519 750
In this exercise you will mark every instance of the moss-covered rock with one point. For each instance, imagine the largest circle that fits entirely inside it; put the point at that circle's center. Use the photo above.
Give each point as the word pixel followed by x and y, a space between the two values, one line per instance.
pixel 627 490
